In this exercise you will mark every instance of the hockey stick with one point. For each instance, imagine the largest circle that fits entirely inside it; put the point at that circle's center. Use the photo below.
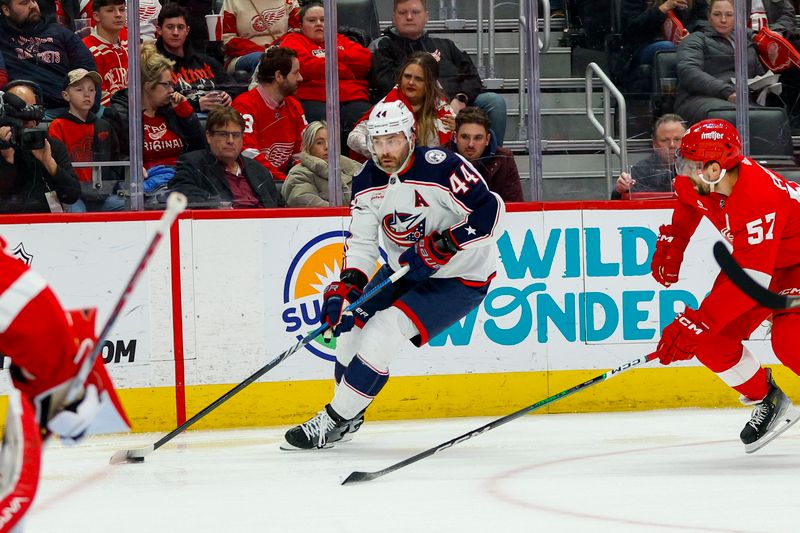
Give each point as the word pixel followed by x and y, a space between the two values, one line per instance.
pixel 748 285
pixel 176 203
pixel 358 477
pixel 137 455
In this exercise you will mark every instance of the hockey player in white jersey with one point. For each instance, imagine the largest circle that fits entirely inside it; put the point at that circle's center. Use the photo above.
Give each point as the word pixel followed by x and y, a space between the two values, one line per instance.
pixel 428 208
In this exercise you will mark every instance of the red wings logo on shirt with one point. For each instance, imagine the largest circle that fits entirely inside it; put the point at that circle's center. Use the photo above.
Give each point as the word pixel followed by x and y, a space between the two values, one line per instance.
pixel 155 132
pixel 264 20
pixel 404 229
pixel 279 153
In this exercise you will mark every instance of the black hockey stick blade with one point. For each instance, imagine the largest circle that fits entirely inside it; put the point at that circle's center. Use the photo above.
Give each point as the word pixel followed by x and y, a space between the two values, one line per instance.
pixel 356 477
pixel 748 285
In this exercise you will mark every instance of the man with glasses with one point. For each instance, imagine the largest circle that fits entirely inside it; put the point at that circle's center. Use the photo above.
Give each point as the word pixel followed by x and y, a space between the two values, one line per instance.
pixel 219 176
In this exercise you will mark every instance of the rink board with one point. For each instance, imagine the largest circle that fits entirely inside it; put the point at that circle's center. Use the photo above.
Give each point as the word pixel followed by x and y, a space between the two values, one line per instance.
pixel 573 296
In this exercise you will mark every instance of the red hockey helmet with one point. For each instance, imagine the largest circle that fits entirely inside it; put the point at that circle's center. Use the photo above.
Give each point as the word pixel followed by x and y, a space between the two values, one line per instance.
pixel 710 140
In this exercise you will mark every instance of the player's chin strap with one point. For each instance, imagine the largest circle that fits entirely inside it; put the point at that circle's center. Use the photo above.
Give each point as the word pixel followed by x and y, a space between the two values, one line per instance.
pixel 710 183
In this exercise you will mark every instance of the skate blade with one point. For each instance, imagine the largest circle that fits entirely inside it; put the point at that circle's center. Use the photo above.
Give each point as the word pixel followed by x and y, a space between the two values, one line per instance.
pixel 788 419
pixel 285 446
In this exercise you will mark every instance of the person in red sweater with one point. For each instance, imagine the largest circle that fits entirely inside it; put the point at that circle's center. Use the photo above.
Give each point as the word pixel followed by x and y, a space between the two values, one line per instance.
pixel 274 119
pixel 88 138
pixel 354 61
pixel 108 44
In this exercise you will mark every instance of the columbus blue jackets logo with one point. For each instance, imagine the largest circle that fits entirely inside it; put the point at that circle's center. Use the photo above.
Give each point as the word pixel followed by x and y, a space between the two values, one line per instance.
pixel 434 157
pixel 404 229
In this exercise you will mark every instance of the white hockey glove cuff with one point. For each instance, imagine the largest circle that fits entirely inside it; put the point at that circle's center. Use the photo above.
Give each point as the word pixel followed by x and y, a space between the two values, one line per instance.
pixel 71 423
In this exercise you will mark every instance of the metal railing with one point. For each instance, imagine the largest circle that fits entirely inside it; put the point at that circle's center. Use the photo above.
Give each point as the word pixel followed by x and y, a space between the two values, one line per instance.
pixel 605 129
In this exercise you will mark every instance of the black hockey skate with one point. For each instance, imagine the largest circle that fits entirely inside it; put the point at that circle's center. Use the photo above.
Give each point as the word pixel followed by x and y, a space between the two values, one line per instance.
pixel 770 417
pixel 355 424
pixel 322 431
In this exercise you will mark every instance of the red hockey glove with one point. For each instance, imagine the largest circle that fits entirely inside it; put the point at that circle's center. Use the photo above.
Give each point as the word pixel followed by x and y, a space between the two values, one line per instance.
pixel 337 297
pixel 428 255
pixel 679 340
pixel 667 259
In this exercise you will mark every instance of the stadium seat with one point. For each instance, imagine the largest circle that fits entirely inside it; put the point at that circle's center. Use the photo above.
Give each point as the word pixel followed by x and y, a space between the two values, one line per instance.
pixel 770 134
pixel 665 82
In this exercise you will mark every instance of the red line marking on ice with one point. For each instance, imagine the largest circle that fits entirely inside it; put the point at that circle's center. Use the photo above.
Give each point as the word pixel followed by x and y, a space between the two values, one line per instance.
pixel 493 487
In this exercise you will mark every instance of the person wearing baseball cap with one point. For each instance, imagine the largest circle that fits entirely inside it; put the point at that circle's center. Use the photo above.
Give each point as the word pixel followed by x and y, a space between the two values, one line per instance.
pixel 76 125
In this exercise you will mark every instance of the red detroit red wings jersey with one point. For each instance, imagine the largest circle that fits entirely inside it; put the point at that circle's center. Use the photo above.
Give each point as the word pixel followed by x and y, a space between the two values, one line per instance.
pixel 271 135
pixel 760 218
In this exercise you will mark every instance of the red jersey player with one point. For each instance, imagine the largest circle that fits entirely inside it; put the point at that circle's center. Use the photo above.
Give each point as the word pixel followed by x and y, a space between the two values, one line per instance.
pixel 758 213
pixel 47 347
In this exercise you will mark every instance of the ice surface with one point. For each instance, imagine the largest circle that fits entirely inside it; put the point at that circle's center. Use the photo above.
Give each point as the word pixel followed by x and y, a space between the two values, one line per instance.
pixel 677 470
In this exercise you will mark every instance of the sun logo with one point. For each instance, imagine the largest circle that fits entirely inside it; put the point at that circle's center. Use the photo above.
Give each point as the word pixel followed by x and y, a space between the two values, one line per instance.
pixel 317 264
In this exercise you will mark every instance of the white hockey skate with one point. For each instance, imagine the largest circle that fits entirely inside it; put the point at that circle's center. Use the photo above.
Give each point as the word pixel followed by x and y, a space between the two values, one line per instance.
pixel 770 417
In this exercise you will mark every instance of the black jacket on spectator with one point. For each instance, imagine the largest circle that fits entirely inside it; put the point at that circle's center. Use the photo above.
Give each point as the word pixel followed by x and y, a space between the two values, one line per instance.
pixel 191 70
pixel 53 51
pixel 457 72
pixel 24 183
pixel 190 129
pixel 705 68
pixel 642 21
pixel 200 176
pixel 651 175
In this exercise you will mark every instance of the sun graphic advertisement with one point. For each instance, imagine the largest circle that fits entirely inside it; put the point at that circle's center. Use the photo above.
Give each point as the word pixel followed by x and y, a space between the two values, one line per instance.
pixel 317 264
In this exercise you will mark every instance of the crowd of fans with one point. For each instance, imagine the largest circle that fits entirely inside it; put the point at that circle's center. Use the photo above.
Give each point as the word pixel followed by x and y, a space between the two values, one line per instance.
pixel 204 132
pixel 224 144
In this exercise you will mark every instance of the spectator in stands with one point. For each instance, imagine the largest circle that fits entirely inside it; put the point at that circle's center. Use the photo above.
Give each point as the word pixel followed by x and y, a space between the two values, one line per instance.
pixel 779 16
pixel 706 65
pixel 354 65
pixel 418 88
pixel 38 178
pixel 458 75
pixel 643 25
pixel 219 176
pixel 195 75
pixel 148 18
pixel 656 172
pixel 475 142
pixel 108 43
pixel 171 126
pixel 39 50
pixel 307 182
pixel 274 119
pixel 249 27
pixel 88 138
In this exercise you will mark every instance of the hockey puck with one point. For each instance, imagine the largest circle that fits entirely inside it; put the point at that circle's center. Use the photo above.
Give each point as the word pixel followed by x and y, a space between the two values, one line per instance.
pixel 135 459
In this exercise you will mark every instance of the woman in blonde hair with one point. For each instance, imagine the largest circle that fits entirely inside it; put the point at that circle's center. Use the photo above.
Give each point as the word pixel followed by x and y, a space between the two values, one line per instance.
pixel 418 88
pixel 306 184
pixel 170 125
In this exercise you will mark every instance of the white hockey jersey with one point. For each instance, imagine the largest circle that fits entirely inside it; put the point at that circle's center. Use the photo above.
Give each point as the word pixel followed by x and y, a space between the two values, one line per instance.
pixel 438 191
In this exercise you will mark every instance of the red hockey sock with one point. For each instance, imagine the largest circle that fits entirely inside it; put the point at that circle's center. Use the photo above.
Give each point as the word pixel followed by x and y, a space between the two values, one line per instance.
pixel 756 388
